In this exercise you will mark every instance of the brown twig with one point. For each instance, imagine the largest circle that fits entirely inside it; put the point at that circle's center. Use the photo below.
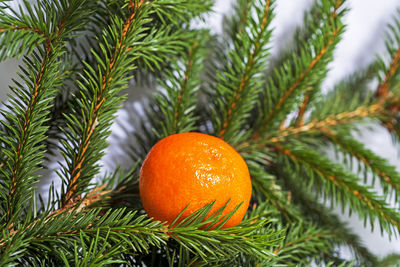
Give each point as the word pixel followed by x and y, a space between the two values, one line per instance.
pixel 11 28
pixel 302 110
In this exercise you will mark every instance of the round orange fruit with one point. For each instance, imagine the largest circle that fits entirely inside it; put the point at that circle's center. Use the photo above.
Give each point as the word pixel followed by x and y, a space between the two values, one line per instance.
pixel 193 169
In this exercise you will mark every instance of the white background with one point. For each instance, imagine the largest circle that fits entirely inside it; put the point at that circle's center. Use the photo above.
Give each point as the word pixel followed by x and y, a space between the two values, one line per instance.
pixel 362 40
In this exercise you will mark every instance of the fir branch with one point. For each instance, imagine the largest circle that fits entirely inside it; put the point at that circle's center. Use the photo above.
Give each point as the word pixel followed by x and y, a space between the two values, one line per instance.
pixel 180 11
pixel 304 71
pixel 267 186
pixel 330 178
pixel 392 259
pixel 304 241
pixel 99 99
pixel 312 20
pixel 201 233
pixel 126 232
pixel 161 45
pixel 180 104
pixel 315 126
pixel 383 87
pixel 359 114
pixel 304 34
pixel 215 245
pixel 110 68
pixel 115 230
pixel 390 72
pixel 240 83
pixel 314 211
pixel 341 263
pixel 29 109
pixel 177 103
pixel 19 33
pixel 389 177
pixel 85 226
pixel 338 100
pixel 234 25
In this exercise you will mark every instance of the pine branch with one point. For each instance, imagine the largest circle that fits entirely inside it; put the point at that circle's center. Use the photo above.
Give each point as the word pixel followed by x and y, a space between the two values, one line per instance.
pixel 331 180
pixel 99 99
pixel 19 33
pixel 241 81
pixel 107 82
pixel 389 177
pixel 299 73
pixel 392 71
pixel 278 199
pixel 177 102
pixel 126 232
pixel 389 260
pixel 338 100
pixel 115 230
pixel 304 241
pixel 29 107
pixel 214 245
pixel 319 214
pixel 347 118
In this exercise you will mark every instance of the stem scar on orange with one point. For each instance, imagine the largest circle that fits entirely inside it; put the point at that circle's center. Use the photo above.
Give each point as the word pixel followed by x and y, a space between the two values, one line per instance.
pixel 194 169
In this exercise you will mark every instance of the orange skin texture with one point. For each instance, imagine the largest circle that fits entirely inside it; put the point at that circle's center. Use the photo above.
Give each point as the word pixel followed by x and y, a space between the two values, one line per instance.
pixel 195 169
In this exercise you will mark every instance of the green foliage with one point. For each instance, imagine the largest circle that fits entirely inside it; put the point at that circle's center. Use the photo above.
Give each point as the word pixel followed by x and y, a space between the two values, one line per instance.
pixel 202 236
pixel 367 163
pixel 340 232
pixel 338 100
pixel 331 180
pixel 88 123
pixel 389 73
pixel 272 112
pixel 240 81
pixel 176 100
pixel 28 108
pixel 303 241
pixel 304 70
pixel 390 260
pixel 17 30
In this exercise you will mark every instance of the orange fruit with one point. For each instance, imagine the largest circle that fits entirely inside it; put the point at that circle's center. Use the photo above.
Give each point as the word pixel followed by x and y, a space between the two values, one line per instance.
pixel 193 169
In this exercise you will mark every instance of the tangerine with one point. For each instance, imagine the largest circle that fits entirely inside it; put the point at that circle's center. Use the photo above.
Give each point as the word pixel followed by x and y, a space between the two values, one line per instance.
pixel 194 169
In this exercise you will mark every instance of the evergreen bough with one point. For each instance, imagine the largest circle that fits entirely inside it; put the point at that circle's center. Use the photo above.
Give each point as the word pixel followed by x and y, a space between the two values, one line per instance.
pixel 78 58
